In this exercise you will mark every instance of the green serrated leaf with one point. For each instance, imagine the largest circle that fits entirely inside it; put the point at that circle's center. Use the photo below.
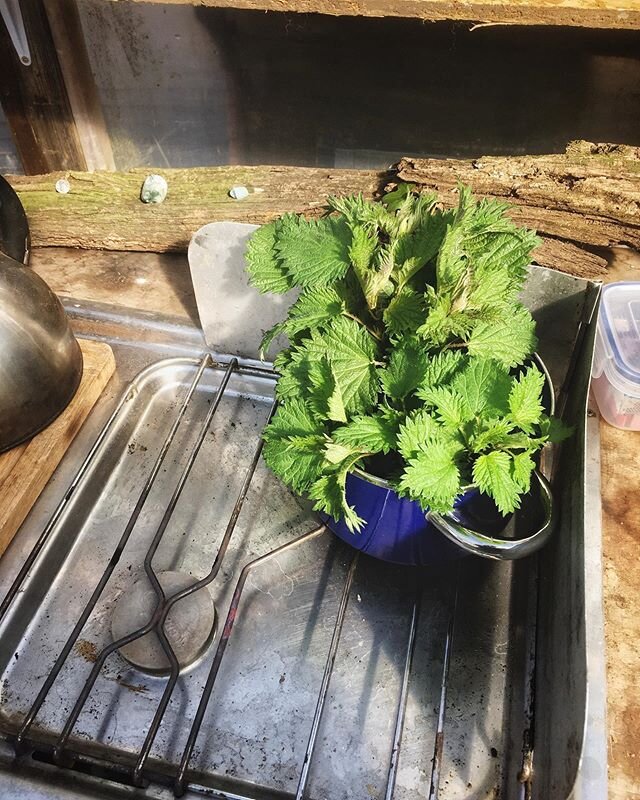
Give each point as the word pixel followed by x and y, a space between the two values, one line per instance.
pixel 432 477
pixel 492 434
pixel 336 453
pixel 509 340
pixel 351 351
pixel 522 467
pixel 372 434
pixel 443 324
pixel 393 200
pixel 485 385
pixel 363 248
pixel 322 391
pixel 315 307
pixel 328 492
pixel 442 368
pixel 450 406
pixel 292 418
pixel 314 252
pixel 269 336
pixel 266 272
pixel 525 398
pixel 554 430
pixel 405 313
pixel 297 460
pixel 417 247
pixel 492 475
pixel 418 430
pixel 405 371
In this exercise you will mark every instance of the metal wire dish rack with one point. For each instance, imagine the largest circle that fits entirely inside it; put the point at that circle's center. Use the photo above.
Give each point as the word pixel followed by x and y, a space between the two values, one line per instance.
pixel 329 675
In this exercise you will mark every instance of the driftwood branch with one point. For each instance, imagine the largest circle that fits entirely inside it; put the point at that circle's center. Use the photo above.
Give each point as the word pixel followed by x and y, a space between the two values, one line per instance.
pixel 579 201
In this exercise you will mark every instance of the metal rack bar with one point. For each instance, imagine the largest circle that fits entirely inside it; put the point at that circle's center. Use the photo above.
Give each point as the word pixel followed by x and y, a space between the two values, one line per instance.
pixel 402 702
pixel 55 670
pixel 168 605
pixel 179 786
pixel 326 678
pixel 434 788
pixel 154 622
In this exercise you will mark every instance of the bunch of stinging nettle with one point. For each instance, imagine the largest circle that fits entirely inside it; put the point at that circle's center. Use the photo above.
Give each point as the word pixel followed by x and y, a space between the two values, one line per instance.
pixel 408 353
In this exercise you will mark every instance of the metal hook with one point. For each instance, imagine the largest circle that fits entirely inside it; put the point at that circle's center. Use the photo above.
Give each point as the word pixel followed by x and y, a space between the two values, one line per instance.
pixel 12 16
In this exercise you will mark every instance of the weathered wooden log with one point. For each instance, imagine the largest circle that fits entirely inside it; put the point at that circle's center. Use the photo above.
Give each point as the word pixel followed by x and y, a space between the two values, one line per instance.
pixel 585 13
pixel 590 194
pixel 588 197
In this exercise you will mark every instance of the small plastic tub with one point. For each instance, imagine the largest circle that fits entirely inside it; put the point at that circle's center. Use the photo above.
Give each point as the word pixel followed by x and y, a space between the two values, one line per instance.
pixel 616 364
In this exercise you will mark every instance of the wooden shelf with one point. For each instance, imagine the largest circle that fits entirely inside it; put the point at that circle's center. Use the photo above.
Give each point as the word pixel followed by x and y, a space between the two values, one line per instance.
pixel 580 13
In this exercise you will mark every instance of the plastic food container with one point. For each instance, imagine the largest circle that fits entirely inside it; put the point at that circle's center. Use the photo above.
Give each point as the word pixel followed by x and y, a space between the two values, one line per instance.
pixel 616 364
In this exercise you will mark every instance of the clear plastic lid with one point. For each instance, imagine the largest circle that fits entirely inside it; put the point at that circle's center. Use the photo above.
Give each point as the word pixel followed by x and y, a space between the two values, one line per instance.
pixel 620 321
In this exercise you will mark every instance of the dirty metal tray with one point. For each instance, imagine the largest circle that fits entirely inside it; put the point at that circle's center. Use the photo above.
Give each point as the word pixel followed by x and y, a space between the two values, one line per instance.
pixel 326 675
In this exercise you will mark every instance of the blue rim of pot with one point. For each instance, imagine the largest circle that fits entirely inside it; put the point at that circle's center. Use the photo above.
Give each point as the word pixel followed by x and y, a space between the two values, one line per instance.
pixel 493 547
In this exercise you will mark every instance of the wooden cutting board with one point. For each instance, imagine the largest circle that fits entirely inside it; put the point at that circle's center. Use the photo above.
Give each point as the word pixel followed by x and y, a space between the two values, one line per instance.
pixel 25 469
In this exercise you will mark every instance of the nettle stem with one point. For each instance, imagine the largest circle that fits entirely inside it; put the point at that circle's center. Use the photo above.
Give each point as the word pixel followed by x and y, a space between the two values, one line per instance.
pixel 374 333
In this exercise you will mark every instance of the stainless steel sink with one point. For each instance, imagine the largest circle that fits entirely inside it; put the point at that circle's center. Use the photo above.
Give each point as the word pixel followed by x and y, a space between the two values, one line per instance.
pixel 324 675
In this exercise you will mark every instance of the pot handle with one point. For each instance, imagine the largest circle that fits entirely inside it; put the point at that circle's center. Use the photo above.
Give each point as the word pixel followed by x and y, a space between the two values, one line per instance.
pixel 494 546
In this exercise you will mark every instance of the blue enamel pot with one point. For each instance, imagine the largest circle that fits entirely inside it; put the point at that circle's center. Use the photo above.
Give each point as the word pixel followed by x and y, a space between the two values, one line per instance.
pixel 396 528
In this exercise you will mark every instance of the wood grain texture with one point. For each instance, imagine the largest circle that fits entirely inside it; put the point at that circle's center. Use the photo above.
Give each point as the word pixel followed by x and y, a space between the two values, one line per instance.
pixel 579 201
pixel 69 43
pixel 621 543
pixel 620 465
pixel 35 99
pixel 25 470
pixel 582 13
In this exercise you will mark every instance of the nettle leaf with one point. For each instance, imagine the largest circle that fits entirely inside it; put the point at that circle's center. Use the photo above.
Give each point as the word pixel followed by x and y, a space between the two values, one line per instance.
pixel 296 460
pixel 315 307
pixel 282 360
pixel 405 371
pixel 324 395
pixel 485 385
pixel 293 446
pixel 406 312
pixel 416 432
pixel 508 251
pixel 419 246
pixel 314 252
pixel 443 367
pixel 371 434
pixel 269 336
pixel 292 418
pixel 432 477
pixel 363 247
pixel 509 340
pixel 492 474
pixel 294 373
pixel 522 467
pixel 493 434
pixel 266 272
pixel 451 406
pixel 336 453
pixel 351 351
pixel 554 430
pixel 525 398
pixel 443 324
pixel 329 495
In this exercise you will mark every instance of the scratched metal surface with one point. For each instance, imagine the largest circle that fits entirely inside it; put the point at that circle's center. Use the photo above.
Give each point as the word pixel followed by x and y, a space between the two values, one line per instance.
pixel 256 728
pixel 257 725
